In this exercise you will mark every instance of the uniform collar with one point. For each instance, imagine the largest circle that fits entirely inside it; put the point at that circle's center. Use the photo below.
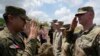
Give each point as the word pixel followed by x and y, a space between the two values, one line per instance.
pixel 6 30
pixel 87 31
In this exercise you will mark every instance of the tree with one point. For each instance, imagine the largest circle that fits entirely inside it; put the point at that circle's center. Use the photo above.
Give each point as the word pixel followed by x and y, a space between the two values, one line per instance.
pixel 2 21
pixel 46 24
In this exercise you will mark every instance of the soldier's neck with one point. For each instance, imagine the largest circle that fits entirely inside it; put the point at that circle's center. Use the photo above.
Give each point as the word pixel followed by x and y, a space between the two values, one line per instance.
pixel 87 26
pixel 11 29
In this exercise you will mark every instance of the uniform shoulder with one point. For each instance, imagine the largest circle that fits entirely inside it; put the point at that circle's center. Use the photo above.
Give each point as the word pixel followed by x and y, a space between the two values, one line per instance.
pixel 4 33
pixel 4 42
pixel 97 29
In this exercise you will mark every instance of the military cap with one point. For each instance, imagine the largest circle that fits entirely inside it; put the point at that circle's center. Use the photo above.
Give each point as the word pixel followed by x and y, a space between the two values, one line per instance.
pixel 54 21
pixel 62 28
pixel 61 22
pixel 16 11
pixel 83 10
pixel 66 26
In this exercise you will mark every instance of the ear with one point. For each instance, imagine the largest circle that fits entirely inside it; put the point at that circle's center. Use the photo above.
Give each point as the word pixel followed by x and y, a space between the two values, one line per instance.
pixel 10 18
pixel 91 15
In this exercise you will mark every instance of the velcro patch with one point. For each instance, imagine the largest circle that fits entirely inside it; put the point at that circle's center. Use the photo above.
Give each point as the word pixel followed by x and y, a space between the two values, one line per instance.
pixel 13 46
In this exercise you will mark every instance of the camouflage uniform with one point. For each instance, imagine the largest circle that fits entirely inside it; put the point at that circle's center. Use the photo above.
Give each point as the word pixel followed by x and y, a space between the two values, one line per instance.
pixel 68 42
pixel 64 47
pixel 45 50
pixel 13 45
pixel 85 43
pixel 88 44
pixel 57 43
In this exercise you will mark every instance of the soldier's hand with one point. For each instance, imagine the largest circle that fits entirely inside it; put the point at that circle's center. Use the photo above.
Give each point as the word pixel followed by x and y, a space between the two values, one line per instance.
pixel 74 23
pixel 31 29
pixel 79 51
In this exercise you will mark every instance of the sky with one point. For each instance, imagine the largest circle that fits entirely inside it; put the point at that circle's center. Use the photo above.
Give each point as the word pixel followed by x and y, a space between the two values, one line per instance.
pixel 48 10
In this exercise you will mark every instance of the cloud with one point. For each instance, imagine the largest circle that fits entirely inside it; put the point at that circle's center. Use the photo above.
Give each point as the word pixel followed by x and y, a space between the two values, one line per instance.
pixel 40 15
pixel 37 3
pixel 65 8
pixel 32 4
pixel 31 7
pixel 64 14
pixel 72 3
pixel 4 3
pixel 66 19
pixel 67 16
pixel 48 1
pixel 26 4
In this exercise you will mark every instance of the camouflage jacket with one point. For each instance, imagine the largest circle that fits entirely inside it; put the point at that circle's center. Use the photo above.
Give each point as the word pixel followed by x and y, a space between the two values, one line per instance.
pixel 13 45
pixel 88 43
pixel 57 43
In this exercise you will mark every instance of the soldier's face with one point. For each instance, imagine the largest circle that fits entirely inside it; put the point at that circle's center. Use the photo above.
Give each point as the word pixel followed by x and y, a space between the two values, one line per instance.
pixel 54 26
pixel 82 18
pixel 19 23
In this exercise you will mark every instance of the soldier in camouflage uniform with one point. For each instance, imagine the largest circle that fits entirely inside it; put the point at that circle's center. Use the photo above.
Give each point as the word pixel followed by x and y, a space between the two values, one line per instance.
pixel 87 42
pixel 65 44
pixel 57 39
pixel 11 40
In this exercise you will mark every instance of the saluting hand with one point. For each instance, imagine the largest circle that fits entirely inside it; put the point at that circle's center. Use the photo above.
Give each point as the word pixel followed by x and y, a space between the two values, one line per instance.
pixel 74 23
pixel 31 29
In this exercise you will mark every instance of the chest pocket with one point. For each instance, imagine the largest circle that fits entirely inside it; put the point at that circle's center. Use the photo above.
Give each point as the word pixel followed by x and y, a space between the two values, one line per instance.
pixel 7 51
pixel 14 48
pixel 86 41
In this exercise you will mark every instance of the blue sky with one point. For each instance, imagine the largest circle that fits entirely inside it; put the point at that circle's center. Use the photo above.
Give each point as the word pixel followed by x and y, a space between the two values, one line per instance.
pixel 47 10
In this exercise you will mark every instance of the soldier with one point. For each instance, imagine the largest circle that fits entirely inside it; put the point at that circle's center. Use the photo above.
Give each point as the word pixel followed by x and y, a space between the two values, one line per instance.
pixel 65 44
pixel 45 50
pixel 57 39
pixel 11 41
pixel 43 34
pixel 88 41
pixel 52 30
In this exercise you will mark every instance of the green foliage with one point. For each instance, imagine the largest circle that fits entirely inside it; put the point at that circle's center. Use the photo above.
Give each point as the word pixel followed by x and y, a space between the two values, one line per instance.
pixel 2 21
pixel 39 22
pixel 46 24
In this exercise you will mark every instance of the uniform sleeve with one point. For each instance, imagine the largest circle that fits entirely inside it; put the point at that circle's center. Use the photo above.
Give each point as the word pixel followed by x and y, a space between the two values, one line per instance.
pixel 4 42
pixel 58 52
pixel 30 48
pixel 49 32
pixel 98 44
pixel 99 47
pixel 71 36
pixel 1 46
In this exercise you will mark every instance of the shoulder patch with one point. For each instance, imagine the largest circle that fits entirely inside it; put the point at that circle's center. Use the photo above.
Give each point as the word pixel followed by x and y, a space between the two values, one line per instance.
pixel 13 46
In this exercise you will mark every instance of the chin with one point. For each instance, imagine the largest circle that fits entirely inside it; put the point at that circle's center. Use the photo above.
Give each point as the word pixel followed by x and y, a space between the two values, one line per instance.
pixel 20 30
pixel 80 22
